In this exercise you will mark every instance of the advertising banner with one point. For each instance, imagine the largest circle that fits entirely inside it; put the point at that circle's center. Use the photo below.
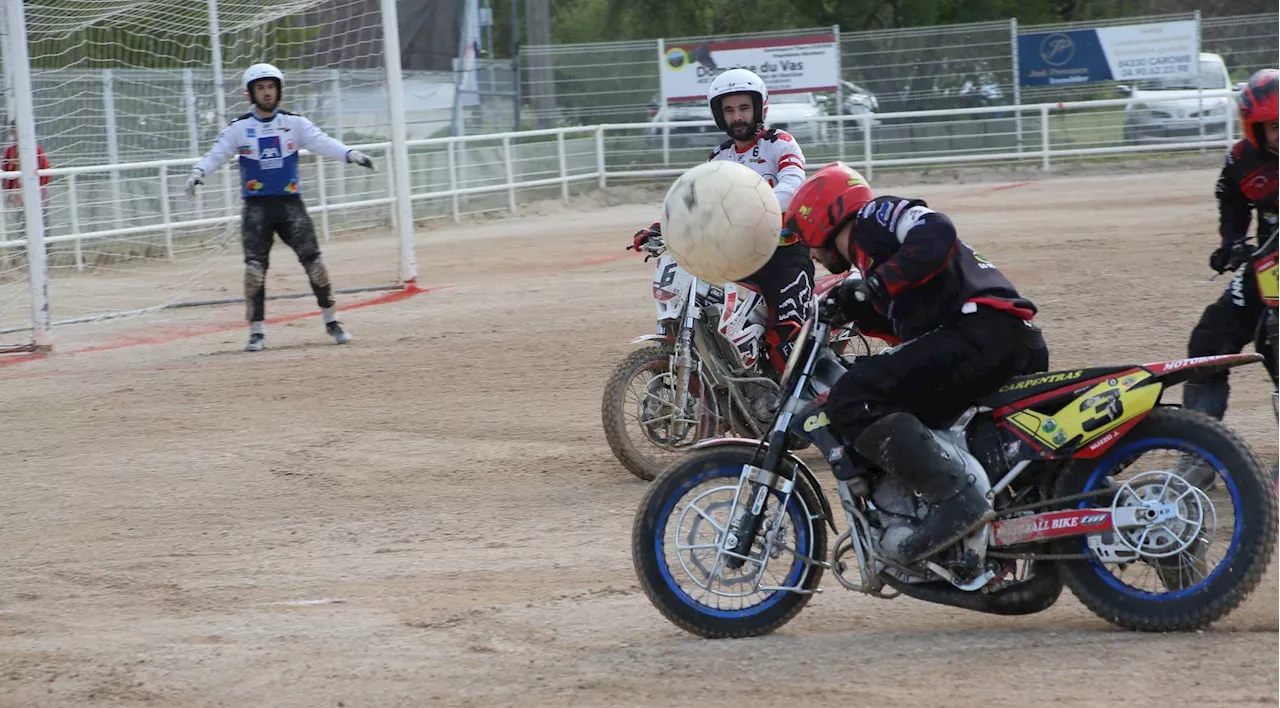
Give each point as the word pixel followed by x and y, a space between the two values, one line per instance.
pixel 1124 53
pixel 786 64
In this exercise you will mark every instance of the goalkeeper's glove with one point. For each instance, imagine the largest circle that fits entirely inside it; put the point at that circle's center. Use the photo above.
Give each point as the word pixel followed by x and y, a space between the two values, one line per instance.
pixel 356 157
pixel 195 177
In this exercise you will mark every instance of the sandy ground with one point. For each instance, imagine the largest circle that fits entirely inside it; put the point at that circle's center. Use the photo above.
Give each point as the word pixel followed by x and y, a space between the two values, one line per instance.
pixel 431 516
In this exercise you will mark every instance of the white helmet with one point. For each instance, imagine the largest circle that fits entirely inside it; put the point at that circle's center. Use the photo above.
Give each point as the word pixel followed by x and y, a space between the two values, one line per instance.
pixel 257 72
pixel 738 81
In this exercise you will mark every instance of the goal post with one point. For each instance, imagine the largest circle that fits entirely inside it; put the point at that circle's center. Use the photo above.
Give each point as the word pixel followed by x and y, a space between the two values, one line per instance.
pixel 37 266
pixel 123 96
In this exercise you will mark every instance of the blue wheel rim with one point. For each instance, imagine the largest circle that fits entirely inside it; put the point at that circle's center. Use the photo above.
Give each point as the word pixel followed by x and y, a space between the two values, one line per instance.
pixel 1137 447
pixel 803 542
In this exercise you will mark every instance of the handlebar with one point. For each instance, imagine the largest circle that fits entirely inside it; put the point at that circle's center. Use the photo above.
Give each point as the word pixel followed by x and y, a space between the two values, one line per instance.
pixel 653 247
pixel 1266 245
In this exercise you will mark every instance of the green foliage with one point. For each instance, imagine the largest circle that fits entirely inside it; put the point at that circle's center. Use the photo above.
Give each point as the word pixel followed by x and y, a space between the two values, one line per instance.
pixel 580 21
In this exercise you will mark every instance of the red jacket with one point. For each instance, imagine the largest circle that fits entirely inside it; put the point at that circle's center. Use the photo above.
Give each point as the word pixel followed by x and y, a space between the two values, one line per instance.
pixel 11 165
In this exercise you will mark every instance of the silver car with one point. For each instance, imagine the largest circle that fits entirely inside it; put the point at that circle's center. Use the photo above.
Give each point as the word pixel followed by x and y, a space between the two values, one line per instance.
pixel 1179 120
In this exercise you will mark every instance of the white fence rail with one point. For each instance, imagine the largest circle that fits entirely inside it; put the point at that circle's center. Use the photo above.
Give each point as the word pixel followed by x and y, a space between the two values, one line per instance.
pixel 452 176
pixel 643 150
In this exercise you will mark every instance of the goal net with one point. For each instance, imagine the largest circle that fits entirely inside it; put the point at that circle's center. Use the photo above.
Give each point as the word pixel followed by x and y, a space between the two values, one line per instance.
pixel 128 93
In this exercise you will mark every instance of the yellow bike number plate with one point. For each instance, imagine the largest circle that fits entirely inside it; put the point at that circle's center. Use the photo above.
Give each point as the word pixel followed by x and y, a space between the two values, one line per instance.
pixel 1103 408
pixel 1268 274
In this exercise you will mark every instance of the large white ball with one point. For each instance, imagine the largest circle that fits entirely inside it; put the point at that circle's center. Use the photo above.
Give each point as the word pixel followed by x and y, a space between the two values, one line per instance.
pixel 721 221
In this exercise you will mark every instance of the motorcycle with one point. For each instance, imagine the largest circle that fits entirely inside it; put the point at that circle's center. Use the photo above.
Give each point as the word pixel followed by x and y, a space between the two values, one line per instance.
pixel 731 540
pixel 704 376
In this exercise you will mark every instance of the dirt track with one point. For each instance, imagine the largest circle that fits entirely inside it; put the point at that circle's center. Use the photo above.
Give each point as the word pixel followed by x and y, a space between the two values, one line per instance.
pixel 430 516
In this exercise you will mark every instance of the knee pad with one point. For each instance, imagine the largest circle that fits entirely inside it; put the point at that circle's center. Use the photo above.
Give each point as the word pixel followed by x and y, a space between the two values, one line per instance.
pixel 255 275
pixel 316 272
pixel 1210 341
pixel 853 405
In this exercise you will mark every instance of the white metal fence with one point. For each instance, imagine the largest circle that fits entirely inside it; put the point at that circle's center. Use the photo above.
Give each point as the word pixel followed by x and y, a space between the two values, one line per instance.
pixel 454 176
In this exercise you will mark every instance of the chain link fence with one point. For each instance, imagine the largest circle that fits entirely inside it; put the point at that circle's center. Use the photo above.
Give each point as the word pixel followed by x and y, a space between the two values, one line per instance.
pixel 911 69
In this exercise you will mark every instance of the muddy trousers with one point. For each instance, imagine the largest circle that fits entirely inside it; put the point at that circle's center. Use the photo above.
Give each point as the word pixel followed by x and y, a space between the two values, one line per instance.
pixel 262 219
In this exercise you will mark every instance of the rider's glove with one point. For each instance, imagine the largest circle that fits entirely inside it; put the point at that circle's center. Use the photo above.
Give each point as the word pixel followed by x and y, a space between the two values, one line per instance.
pixel 641 237
pixel 195 177
pixel 852 298
pixel 356 157
pixel 1230 256
pixel 861 291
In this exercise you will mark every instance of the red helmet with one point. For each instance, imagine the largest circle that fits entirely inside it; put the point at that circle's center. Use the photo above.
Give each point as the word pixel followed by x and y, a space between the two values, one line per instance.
pixel 825 202
pixel 1258 104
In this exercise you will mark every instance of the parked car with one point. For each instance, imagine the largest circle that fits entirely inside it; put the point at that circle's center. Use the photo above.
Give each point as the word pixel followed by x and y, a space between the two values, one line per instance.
pixel 1179 120
pixel 795 113
pixel 858 100
pixel 683 136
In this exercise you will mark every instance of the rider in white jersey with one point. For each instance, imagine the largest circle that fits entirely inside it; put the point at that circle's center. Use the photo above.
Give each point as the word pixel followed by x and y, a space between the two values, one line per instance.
pixel 740 103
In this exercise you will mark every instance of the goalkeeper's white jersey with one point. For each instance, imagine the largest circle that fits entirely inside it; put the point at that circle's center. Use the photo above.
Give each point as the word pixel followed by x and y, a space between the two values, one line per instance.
pixel 774 155
pixel 268 151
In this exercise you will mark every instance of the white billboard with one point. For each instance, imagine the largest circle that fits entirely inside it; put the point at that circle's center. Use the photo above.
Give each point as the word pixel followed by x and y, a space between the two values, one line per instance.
pixel 786 64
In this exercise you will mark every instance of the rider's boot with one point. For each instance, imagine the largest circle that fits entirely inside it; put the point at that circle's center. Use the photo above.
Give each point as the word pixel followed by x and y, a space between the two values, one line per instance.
pixel 902 446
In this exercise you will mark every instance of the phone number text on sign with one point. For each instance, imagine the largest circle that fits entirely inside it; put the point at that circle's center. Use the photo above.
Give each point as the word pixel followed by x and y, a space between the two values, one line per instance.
pixel 1153 66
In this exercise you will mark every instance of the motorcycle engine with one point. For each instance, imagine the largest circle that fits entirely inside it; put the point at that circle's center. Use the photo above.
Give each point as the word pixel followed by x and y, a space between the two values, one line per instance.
pixel 895 499
pixel 899 510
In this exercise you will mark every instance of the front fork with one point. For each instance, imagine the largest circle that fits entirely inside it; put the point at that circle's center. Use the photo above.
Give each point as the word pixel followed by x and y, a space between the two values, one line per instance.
pixel 682 363
pixel 745 523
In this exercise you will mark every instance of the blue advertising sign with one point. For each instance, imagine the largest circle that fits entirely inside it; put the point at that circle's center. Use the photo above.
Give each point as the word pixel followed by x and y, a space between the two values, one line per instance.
pixel 1124 53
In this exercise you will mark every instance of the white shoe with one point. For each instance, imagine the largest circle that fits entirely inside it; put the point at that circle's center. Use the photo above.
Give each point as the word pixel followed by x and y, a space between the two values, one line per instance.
pixel 257 342
pixel 339 334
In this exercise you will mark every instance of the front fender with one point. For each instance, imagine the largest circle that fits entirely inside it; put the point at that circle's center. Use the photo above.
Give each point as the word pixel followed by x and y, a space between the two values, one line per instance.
pixel 803 469
pixel 653 338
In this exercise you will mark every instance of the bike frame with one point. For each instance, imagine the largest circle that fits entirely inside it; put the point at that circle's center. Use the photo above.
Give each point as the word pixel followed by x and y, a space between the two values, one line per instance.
pixel 747 521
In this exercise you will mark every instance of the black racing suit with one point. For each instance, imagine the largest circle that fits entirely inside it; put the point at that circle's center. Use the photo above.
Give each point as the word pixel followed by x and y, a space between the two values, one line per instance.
pixel 965 332
pixel 262 218
pixel 1247 183
pixel 964 329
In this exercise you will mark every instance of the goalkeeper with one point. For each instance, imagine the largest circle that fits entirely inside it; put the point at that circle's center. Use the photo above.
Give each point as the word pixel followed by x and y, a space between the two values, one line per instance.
pixel 267 141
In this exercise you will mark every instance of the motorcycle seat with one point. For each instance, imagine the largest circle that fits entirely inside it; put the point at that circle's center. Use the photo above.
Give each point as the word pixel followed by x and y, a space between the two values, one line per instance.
pixel 1020 387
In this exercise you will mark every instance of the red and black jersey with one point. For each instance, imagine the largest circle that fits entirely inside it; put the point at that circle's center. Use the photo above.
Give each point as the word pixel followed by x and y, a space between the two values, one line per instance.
pixel 930 276
pixel 1248 182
